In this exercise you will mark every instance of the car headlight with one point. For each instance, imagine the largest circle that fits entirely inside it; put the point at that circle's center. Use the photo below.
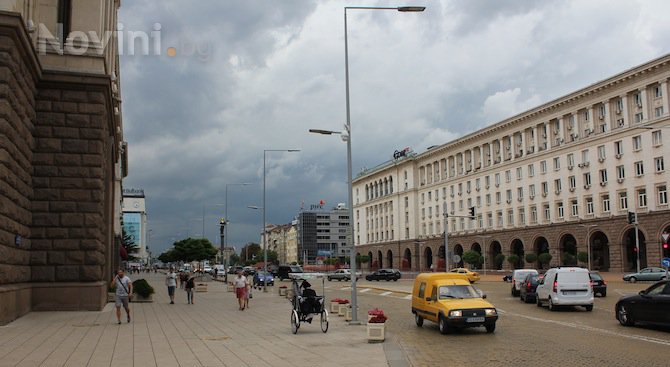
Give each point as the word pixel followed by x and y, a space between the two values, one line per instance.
pixel 490 312
pixel 455 313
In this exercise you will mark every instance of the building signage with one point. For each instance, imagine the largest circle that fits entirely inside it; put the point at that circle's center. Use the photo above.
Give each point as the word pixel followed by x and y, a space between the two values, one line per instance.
pixel 132 224
pixel 318 206
pixel 401 153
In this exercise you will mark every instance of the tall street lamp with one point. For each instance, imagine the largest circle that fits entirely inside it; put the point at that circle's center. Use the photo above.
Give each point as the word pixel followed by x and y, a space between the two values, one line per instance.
pixel 483 238
pixel 346 136
pixel 588 242
pixel 265 246
pixel 203 216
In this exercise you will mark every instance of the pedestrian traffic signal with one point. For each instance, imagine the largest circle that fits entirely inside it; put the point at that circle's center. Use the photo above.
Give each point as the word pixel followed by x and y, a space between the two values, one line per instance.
pixel 472 212
pixel 666 250
pixel 632 218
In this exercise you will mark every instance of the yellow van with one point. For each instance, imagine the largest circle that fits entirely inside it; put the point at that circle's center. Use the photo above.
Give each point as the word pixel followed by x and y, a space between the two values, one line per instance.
pixel 449 300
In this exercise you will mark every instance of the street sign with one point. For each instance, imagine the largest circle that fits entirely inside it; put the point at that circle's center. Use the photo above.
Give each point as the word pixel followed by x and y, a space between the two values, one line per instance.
pixel 665 236
pixel 456 258
pixel 665 262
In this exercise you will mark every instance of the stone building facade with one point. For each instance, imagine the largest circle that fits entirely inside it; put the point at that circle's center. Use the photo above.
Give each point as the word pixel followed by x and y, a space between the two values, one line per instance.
pixel 62 158
pixel 560 178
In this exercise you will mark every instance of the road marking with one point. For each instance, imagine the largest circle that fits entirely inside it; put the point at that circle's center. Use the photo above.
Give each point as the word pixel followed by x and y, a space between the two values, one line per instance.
pixel 590 328
pixel 409 296
pixel 365 290
pixel 623 293
pixel 385 293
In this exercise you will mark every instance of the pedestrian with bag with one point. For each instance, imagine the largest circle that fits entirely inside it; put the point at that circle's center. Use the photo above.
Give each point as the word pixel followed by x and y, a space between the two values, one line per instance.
pixel 124 290
pixel 248 293
pixel 171 283
pixel 190 284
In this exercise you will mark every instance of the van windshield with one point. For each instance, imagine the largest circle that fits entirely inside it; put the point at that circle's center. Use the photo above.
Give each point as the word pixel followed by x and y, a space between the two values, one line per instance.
pixel 573 277
pixel 457 291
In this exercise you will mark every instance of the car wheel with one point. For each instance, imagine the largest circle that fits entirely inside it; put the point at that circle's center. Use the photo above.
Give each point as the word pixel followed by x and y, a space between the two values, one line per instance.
pixel 490 328
pixel 633 279
pixel 663 277
pixel 589 308
pixel 330 279
pixel 538 302
pixel 418 319
pixel 552 307
pixel 624 317
pixel 443 325
pixel 395 279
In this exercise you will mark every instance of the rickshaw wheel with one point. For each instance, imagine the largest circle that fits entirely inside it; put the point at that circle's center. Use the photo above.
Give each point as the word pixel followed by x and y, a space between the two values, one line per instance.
pixel 295 322
pixel 324 321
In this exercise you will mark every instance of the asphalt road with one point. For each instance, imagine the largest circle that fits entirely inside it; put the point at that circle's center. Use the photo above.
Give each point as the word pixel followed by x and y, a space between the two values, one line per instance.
pixel 524 334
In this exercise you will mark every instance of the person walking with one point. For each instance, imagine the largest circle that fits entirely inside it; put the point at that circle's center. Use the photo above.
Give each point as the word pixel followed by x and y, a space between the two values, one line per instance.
pixel 248 293
pixel 171 283
pixel 124 288
pixel 241 285
pixel 190 284
pixel 183 277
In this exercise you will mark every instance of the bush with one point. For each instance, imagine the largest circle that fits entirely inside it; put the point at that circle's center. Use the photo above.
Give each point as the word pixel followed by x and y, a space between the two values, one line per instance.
pixel 378 319
pixel 472 257
pixel 513 260
pixel 583 257
pixel 531 257
pixel 568 259
pixel 499 260
pixel 544 258
pixel 143 288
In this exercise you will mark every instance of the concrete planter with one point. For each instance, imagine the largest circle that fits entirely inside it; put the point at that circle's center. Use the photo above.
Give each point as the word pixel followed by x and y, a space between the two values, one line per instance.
pixel 289 293
pixel 201 287
pixel 283 291
pixel 139 299
pixel 230 287
pixel 348 316
pixel 376 332
pixel 342 310
pixel 111 297
pixel 334 307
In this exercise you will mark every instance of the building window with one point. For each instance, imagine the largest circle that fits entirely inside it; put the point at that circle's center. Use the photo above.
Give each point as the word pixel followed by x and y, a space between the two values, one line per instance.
pixel 531 191
pixel 560 210
pixel 510 217
pixel 557 185
pixel 639 168
pixel 500 219
pixel 587 180
pixel 477 184
pixel 658 91
pixel 589 205
pixel 619 105
pixel 618 148
pixel 623 200
pixel 637 97
pixel 571 160
pixel 543 166
pixel 498 197
pixel 657 138
pixel 487 181
pixel 620 172
pixel 488 199
pixel 519 173
pixel 533 214
pixel 547 212
pixel 642 198
pixel 601 153
pixel 573 182
pixel 557 163
pixel 519 193
pixel 574 208
pixel 585 156
pixel 509 196
pixel 522 216
pixel 603 177
pixel 637 143
pixel 658 111
pixel 662 195
pixel 606 203
pixel 508 176
pixel 658 163
pixel 545 188
pixel 497 177
pixel 489 220
pixel 531 170
pixel 639 117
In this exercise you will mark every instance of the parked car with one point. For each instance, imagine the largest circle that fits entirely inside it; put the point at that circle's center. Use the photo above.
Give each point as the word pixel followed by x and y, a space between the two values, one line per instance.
pixel 384 274
pixel 599 284
pixel 208 269
pixel 342 274
pixel 517 277
pixel 449 300
pixel 272 268
pixel 528 287
pixel 649 306
pixel 285 270
pixel 249 270
pixel 472 275
pixel 651 273
pixel 262 277
pixel 570 286
pixel 235 269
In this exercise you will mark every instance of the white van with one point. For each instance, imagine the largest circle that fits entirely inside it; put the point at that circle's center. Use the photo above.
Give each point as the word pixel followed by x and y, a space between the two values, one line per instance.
pixel 517 278
pixel 565 287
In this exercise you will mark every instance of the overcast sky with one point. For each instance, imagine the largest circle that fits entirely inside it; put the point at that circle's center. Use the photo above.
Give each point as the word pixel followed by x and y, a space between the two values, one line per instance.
pixel 254 75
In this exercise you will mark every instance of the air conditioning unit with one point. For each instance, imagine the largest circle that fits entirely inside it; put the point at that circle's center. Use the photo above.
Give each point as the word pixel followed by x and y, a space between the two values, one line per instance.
pixel 544 134
pixel 556 132
pixel 639 104
pixel 570 167
pixel 497 185
pixel 518 143
pixel 507 147
pixel 558 192
pixel 603 183
pixel 618 112
pixel 452 194
pixel 531 149
pixel 601 159
pixel 620 122
pixel 544 194
pixel 468 191
pixel 586 164
pixel 619 180
pixel 580 165
pixel 486 187
pixel 587 187
pixel 452 212
pixel 520 199
pixel 460 193
pixel 569 127
pixel 572 189
pixel 618 156
pixel 477 189
pixel 509 201
pixel 531 197
pixel 601 117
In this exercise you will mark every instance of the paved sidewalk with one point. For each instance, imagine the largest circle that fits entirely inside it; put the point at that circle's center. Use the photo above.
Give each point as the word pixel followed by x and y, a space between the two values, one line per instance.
pixel 211 332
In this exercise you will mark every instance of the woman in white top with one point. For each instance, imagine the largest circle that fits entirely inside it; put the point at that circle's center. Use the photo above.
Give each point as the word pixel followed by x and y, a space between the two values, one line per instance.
pixel 241 289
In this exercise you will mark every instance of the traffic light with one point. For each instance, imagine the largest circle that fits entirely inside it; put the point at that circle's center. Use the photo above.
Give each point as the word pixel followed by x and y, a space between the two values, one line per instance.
pixel 632 218
pixel 666 250
pixel 472 212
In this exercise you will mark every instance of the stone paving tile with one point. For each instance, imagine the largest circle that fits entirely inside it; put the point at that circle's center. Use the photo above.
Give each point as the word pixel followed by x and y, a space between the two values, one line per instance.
pixel 211 332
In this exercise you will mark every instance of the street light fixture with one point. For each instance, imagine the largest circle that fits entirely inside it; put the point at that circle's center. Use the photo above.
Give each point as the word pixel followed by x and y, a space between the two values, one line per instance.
pixel 225 215
pixel 346 136
pixel 483 238
pixel 203 215
pixel 265 246
pixel 588 242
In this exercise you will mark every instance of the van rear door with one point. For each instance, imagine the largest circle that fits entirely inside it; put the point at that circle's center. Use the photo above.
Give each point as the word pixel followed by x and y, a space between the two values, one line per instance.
pixel 573 283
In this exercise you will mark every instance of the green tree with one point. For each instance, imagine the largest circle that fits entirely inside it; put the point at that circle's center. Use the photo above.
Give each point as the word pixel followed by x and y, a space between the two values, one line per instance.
pixel 472 257
pixel 251 253
pixel 499 259
pixel 190 249
pixel 513 260
pixel 544 258
pixel 131 247
pixel 569 259
pixel 531 257
pixel 583 257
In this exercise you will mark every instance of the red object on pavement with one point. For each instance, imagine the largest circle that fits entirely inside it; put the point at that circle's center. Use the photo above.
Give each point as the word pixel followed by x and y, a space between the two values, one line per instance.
pixel 123 253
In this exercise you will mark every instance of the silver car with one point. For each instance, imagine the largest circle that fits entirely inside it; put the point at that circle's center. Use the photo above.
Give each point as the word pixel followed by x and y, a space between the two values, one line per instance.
pixel 652 273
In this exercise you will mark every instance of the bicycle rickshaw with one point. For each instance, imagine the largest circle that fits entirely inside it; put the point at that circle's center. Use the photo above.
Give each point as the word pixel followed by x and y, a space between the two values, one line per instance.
pixel 307 305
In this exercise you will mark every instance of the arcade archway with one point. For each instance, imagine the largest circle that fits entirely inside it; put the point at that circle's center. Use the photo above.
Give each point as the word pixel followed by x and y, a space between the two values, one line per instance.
pixel 568 246
pixel 600 251
pixel 630 256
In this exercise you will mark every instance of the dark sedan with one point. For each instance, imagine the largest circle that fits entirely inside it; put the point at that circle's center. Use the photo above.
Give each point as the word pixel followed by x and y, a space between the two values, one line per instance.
pixel 528 287
pixel 599 284
pixel 649 306
pixel 384 274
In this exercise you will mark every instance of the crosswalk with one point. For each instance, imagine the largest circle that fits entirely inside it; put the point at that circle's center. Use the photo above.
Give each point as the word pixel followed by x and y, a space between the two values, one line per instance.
pixel 373 291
